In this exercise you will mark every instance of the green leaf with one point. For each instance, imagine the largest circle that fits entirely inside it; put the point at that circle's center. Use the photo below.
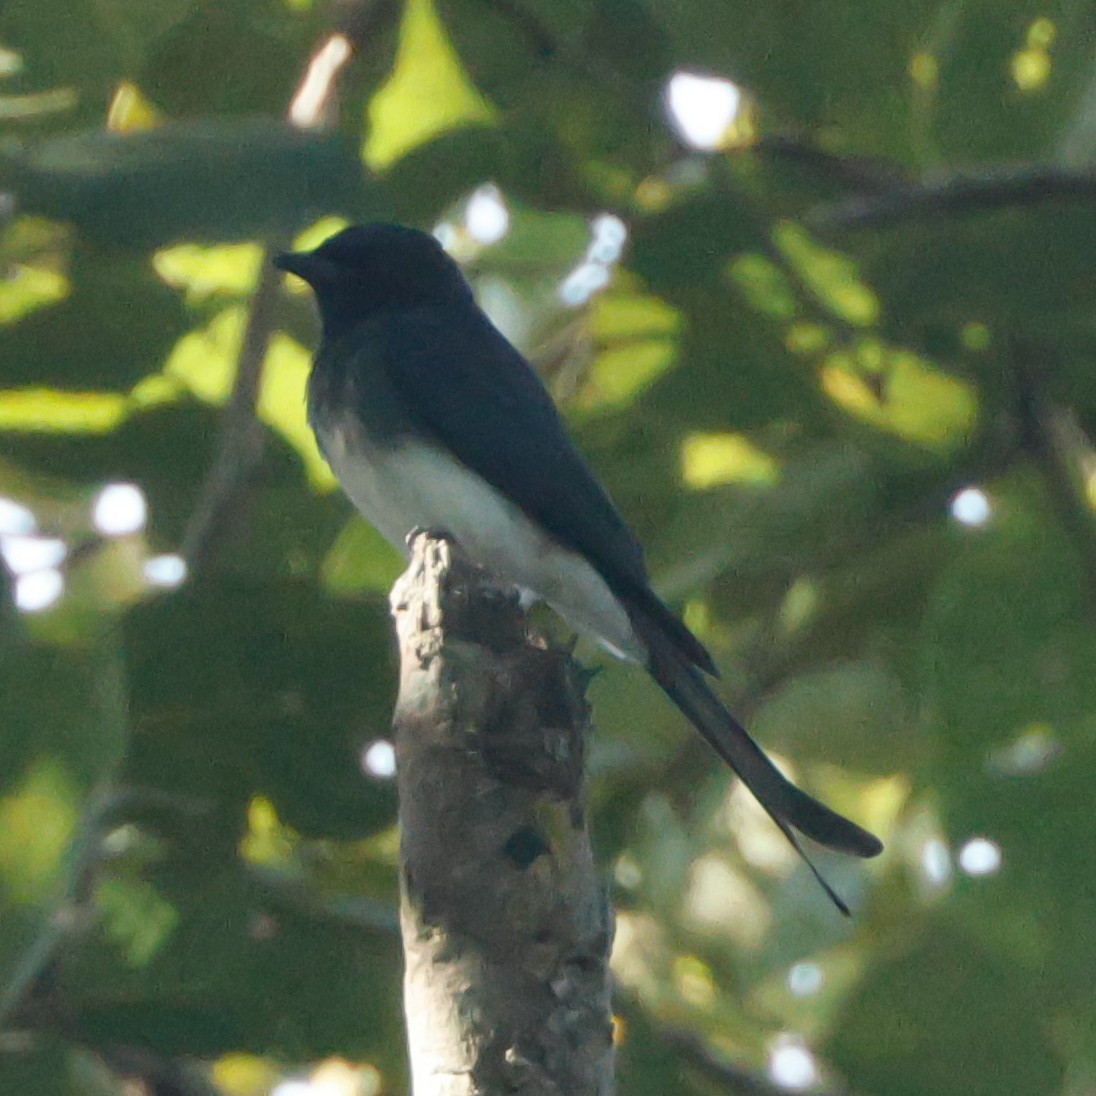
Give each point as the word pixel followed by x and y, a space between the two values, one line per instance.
pixel 948 1016
pixel 65 727
pixel 76 340
pixel 854 715
pixel 50 1067
pixel 1007 640
pixel 244 969
pixel 360 561
pixel 206 180
pixel 249 55
pixel 294 686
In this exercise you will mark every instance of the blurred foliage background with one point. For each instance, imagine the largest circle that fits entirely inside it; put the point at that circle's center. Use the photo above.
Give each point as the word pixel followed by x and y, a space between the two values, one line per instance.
pixel 814 284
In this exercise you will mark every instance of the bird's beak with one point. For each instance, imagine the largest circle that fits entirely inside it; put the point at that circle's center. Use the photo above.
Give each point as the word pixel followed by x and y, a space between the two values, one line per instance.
pixel 305 265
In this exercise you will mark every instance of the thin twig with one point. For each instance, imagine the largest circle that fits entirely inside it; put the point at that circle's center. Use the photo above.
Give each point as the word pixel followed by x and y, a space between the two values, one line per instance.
pixel 695 1052
pixel 157 1074
pixel 732 1079
pixel 22 992
pixel 1064 455
pixel 365 22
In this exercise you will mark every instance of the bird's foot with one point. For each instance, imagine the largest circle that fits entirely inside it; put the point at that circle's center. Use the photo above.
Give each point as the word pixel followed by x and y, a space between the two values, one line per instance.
pixel 433 532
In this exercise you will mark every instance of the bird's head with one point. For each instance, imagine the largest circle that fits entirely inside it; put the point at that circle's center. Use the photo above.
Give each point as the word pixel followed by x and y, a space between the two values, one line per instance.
pixel 373 268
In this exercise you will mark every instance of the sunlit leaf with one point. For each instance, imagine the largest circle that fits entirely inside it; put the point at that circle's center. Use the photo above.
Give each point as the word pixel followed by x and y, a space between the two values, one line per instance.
pixel 764 285
pixel 130 110
pixel 711 459
pixel 912 399
pixel 282 405
pixel 51 411
pixel 205 361
pixel 28 288
pixel 267 841
pixel 37 822
pixel 245 1074
pixel 135 917
pixel 23 107
pixel 427 94
pixel 636 338
pixel 619 374
pixel 315 234
pixel 833 277
pixel 206 271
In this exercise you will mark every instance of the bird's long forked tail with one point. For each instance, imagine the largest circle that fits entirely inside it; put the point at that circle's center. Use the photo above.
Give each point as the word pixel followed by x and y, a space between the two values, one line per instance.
pixel 788 806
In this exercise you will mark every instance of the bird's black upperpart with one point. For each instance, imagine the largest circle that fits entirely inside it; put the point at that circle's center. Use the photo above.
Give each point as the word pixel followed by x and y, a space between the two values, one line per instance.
pixel 373 268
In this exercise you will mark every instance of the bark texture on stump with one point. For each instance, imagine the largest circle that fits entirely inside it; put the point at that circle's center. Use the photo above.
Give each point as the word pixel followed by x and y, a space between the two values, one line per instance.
pixel 505 920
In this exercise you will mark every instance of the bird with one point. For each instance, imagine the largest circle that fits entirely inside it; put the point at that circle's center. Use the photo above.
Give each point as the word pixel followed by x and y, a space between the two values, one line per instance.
pixel 431 419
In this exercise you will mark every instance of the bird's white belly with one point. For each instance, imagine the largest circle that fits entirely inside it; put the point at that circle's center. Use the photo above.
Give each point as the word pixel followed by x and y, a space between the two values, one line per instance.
pixel 418 485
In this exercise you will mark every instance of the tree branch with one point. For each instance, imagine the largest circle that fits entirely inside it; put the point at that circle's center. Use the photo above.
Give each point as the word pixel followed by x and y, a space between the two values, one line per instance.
pixel 506 925
pixel 867 174
pixel 995 188
pixel 240 437
pixel 239 447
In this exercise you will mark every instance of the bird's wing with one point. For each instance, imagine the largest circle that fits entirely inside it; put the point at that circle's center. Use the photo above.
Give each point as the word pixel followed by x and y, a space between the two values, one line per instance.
pixel 484 402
